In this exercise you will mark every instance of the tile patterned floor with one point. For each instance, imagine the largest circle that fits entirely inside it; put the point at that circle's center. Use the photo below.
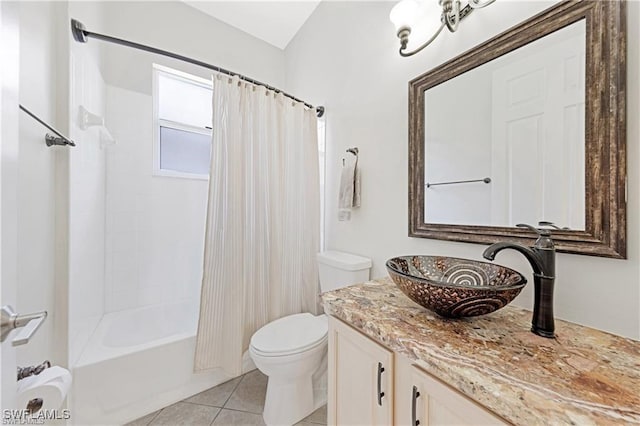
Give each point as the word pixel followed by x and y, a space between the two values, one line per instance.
pixel 237 402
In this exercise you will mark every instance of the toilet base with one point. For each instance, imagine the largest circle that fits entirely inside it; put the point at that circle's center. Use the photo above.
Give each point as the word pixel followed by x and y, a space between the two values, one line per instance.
pixel 287 402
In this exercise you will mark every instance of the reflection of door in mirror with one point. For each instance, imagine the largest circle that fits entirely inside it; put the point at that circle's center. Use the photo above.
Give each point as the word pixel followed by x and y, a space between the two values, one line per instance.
pixel 523 127
pixel 538 135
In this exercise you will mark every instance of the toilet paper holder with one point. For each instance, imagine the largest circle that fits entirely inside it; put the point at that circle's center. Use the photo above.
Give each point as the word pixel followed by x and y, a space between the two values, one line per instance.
pixel 10 320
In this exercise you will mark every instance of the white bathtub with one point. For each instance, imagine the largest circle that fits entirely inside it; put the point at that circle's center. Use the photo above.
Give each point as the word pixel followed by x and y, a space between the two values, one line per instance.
pixel 138 361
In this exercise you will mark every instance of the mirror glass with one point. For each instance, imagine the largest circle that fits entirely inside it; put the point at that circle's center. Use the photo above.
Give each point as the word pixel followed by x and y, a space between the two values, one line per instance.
pixel 515 127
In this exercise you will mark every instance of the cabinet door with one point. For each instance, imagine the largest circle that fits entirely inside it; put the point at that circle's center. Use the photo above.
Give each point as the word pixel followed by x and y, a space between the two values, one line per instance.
pixel 360 378
pixel 421 400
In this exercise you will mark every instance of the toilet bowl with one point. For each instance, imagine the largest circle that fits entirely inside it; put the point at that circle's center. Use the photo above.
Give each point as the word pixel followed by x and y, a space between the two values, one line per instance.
pixel 292 350
pixel 289 351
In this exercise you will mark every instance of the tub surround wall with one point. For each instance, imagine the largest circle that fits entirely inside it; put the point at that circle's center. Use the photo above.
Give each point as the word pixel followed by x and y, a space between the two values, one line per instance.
pixel 86 191
pixel 583 376
pixel 155 225
pixel 366 100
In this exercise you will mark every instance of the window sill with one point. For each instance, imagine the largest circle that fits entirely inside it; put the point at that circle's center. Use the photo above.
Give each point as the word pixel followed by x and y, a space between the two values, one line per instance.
pixel 181 175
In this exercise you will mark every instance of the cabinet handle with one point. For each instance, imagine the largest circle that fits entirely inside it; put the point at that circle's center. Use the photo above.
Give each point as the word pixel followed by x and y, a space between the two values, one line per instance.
pixel 380 393
pixel 414 398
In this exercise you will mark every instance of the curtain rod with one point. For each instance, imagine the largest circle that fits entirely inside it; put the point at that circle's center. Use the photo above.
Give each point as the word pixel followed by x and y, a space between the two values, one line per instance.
pixel 81 35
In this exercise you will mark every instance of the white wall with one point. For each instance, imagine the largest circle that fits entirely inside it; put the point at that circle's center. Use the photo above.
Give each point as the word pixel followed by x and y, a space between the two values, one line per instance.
pixel 345 57
pixel 9 89
pixel 36 179
pixel 176 27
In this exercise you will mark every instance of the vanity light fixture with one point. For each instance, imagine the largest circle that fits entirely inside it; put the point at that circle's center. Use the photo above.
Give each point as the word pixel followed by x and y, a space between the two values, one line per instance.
pixel 421 17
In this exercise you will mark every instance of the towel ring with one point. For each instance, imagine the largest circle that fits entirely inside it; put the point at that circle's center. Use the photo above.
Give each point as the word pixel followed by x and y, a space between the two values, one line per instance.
pixel 353 151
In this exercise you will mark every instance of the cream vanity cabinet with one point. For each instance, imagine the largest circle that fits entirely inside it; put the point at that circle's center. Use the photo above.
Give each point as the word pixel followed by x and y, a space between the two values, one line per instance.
pixel 371 385
pixel 360 378
pixel 421 400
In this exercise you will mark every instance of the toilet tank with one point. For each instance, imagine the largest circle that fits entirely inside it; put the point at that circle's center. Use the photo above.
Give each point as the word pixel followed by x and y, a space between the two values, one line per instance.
pixel 338 269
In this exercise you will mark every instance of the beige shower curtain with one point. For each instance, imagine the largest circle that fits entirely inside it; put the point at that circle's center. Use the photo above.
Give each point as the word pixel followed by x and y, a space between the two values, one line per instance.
pixel 263 219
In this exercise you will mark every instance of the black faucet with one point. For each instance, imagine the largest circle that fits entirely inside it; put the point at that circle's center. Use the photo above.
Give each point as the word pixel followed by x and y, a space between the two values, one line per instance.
pixel 542 257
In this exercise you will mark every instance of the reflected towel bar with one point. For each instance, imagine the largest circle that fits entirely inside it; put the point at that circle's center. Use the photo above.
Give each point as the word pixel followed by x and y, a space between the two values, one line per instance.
pixel 49 139
pixel 485 180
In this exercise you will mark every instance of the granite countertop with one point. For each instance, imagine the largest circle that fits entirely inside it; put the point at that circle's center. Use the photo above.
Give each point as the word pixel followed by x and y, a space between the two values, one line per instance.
pixel 583 376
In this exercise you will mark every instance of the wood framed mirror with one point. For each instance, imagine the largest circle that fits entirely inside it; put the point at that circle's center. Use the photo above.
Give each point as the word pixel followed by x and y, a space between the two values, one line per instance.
pixel 536 147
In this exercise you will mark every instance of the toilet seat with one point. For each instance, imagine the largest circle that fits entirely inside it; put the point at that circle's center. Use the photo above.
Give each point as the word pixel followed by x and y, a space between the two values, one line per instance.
pixel 290 335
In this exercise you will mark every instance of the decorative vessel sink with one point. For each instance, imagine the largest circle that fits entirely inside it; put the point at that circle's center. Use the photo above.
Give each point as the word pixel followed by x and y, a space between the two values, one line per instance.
pixel 453 287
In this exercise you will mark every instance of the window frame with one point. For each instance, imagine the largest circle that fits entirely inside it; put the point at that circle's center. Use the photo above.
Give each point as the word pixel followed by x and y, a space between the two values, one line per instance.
pixel 159 122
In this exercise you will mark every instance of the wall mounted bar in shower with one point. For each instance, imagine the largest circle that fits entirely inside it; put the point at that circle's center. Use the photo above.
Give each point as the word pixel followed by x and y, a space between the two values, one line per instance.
pixel 49 139
pixel 81 35
pixel 485 180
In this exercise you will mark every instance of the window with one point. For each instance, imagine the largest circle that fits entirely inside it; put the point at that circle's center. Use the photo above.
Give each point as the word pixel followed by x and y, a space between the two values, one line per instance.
pixel 182 124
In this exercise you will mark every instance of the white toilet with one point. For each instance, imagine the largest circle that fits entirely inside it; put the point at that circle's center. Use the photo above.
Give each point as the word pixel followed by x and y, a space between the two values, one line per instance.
pixel 292 351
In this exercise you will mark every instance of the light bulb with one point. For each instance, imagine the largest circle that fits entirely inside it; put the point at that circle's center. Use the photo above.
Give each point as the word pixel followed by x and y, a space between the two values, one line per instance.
pixel 404 13
pixel 427 21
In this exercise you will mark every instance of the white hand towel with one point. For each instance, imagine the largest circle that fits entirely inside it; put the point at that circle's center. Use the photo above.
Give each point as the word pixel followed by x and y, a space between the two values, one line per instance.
pixel 356 188
pixel 349 194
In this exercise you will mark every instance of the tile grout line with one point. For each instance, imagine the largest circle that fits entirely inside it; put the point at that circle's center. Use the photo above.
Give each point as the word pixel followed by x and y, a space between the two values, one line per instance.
pixel 242 411
pixel 207 405
pixel 215 417
pixel 221 406
pixel 195 403
pixel 224 407
pixel 154 417
pixel 234 390
pixel 313 422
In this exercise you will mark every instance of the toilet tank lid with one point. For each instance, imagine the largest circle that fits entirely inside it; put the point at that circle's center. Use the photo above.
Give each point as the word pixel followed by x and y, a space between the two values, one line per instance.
pixel 344 261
